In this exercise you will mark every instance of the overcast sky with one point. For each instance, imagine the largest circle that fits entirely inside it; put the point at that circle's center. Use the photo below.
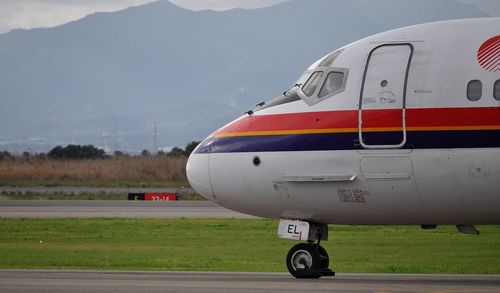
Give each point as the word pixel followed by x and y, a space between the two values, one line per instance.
pixel 48 13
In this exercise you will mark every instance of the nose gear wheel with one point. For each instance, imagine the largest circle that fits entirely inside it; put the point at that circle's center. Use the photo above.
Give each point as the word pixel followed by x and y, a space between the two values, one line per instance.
pixel 307 260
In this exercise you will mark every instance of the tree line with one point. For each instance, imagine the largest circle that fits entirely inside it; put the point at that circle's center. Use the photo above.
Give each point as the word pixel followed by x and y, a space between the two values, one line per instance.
pixel 81 152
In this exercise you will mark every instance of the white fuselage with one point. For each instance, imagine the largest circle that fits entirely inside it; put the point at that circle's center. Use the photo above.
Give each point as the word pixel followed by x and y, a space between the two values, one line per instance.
pixel 401 137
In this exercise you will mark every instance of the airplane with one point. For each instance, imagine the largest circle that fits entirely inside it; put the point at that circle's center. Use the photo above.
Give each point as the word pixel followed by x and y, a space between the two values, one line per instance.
pixel 399 128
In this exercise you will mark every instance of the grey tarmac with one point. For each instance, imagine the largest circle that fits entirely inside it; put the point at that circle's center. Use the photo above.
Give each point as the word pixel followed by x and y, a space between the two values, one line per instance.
pixel 115 209
pixel 56 281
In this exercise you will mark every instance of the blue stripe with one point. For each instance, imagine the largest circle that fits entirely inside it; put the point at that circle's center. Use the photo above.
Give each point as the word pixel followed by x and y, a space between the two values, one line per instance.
pixel 350 141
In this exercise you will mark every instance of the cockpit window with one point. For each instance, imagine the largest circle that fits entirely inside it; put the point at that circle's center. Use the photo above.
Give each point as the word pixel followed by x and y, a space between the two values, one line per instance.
pixel 319 82
pixel 312 83
pixel 333 82
pixel 324 83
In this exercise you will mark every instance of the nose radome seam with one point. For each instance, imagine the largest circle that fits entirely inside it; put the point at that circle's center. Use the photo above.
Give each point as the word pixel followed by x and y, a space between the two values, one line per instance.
pixel 198 173
pixel 210 177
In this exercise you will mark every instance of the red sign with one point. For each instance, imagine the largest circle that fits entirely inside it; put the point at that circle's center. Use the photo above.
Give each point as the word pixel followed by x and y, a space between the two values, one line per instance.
pixel 160 196
pixel 488 54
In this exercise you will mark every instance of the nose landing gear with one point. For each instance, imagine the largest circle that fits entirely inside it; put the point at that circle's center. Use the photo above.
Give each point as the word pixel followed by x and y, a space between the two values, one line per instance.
pixel 308 260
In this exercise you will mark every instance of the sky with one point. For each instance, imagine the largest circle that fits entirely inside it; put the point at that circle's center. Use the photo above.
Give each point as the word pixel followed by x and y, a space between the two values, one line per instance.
pixel 26 14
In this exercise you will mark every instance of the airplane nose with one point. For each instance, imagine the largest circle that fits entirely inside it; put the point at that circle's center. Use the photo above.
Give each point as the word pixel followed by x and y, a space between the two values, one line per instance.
pixel 198 174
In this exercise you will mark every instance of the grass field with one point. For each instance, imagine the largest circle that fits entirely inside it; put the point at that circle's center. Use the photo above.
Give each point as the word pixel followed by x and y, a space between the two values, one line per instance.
pixel 237 245
pixel 126 171
pixel 96 182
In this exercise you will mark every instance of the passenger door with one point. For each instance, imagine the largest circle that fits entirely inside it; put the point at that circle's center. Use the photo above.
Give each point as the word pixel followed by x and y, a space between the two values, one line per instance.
pixel 383 97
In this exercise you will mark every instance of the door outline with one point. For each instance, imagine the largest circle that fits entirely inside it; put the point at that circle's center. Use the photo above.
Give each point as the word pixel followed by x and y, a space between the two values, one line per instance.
pixel 403 109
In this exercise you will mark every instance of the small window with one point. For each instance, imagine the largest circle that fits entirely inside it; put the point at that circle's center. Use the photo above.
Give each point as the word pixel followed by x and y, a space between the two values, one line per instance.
pixel 312 84
pixel 496 90
pixel 333 83
pixel 474 90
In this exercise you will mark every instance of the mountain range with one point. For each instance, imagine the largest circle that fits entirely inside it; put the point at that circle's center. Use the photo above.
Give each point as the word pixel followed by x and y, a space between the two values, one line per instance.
pixel 117 78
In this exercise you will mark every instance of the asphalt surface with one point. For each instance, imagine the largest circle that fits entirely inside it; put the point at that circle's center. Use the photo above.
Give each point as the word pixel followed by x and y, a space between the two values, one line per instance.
pixel 55 281
pixel 115 209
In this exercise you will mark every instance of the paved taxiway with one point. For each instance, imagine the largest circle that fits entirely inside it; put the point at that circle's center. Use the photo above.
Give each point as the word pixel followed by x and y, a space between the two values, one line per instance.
pixel 114 209
pixel 18 281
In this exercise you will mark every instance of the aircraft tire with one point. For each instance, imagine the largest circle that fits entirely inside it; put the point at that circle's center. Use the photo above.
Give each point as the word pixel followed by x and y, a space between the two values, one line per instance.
pixel 324 259
pixel 304 261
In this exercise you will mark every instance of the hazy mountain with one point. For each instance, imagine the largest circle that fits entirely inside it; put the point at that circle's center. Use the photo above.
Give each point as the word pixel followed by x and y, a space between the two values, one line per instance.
pixel 190 72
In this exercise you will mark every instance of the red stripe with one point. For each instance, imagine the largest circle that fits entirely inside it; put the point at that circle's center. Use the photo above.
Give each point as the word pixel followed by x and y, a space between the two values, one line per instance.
pixel 433 117
pixel 382 118
pixel 293 121
pixel 447 117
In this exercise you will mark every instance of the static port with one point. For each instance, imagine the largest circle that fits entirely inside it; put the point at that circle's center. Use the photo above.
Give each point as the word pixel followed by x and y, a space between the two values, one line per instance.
pixel 256 161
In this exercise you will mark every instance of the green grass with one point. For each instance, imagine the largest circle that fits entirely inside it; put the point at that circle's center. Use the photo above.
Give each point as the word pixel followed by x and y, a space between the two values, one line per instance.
pixel 92 183
pixel 237 245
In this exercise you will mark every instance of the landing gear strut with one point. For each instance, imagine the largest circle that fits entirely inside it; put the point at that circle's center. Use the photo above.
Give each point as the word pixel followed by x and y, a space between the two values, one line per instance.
pixel 310 260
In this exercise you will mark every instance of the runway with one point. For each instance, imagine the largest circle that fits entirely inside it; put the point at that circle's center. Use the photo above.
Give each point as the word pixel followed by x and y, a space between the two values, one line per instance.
pixel 115 209
pixel 54 281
